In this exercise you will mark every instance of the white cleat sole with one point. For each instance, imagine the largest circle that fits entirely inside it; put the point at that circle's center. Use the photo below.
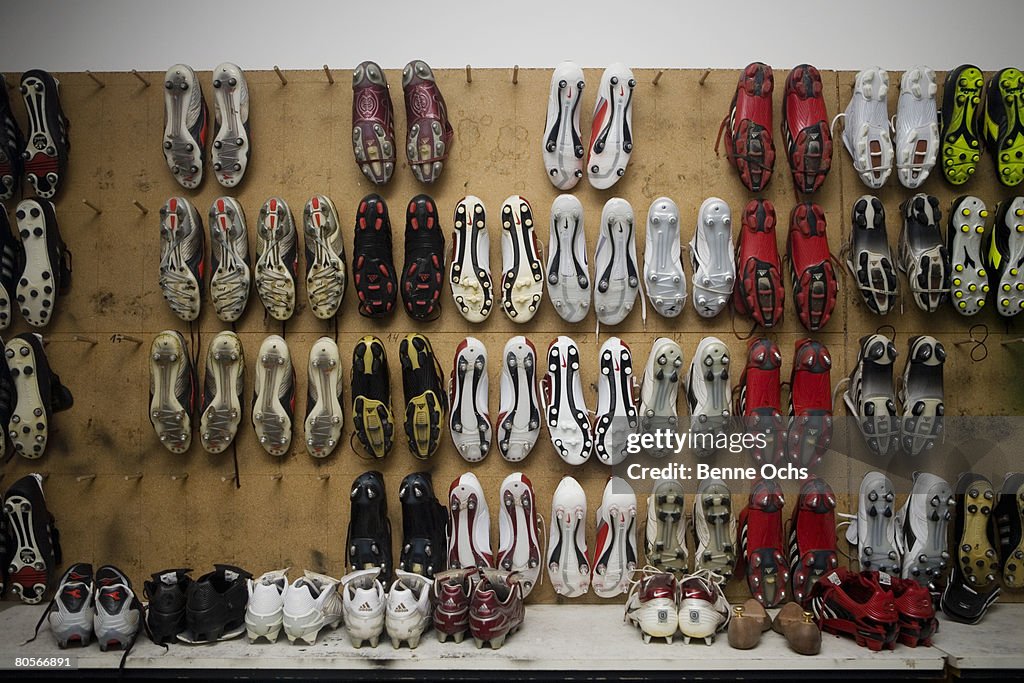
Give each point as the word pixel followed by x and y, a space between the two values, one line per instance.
pixel 569 283
pixel 611 134
pixel 522 282
pixel 616 275
pixel 273 377
pixel 562 144
pixel 230 153
pixel 664 278
pixel 468 419
pixel 519 414
pixel 469 270
pixel 713 258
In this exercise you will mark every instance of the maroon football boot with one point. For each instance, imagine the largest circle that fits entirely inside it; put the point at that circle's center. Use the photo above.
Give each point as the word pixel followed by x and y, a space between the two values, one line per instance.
pixel 759 292
pixel 805 129
pixel 496 607
pixel 810 404
pixel 422 274
pixel 374 266
pixel 812 537
pixel 815 286
pixel 761 544
pixel 373 123
pixel 748 126
pixel 429 137
pixel 758 401
pixel 848 603
pixel 452 591
pixel 916 612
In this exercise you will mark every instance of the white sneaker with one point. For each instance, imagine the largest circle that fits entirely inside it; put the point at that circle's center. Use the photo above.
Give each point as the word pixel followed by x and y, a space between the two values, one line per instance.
pixel 917 127
pixel 703 608
pixel 562 145
pixel 469 540
pixel 277 258
pixel 568 566
pixel 522 282
pixel 866 129
pixel 715 528
pixel 409 608
pixel 659 390
pixel 272 396
pixel 966 242
pixel 311 603
pixel 615 554
pixel 230 151
pixel 924 520
pixel 651 604
pixel 568 277
pixel 185 115
pixel 325 257
pixel 663 270
pixel 611 132
pixel 264 613
pixel 708 390
pixel 363 601
pixel 665 535
pixel 565 409
pixel 231 276
pixel 469 270
pixel 323 401
pixel 922 252
pixel 182 250
pixel 616 405
pixel 615 266
pixel 713 258
pixel 467 390
pixel 519 412
pixel 519 531
pixel 874 530
pixel 222 397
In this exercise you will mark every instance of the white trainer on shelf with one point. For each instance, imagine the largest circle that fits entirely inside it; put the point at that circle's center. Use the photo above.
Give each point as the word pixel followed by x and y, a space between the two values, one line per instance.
pixel 311 603
pixel 409 609
pixel 363 602
pixel 264 613
pixel 563 145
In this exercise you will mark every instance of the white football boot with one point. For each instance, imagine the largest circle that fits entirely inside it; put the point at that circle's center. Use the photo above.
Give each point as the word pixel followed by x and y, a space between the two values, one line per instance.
pixel 866 128
pixel 659 390
pixel 468 418
pixel 665 537
pixel 171 383
pixel 182 252
pixel 325 257
pixel 874 529
pixel 409 608
pixel 522 282
pixel 708 390
pixel 712 256
pixel 519 531
pixel 715 527
pixel 922 252
pixel 272 396
pixel 568 566
pixel 616 405
pixel 616 273
pixel 276 258
pixel 519 412
pixel 615 553
pixel 311 603
pixel 469 268
pixel 922 395
pixel 568 277
pixel 565 409
pixel 363 603
pixel 965 240
pixel 703 608
pixel 222 400
pixel 663 270
pixel 917 127
pixel 562 145
pixel 611 132
pixel 469 539
pixel 230 152
pixel 324 416
pixel 924 520
pixel 185 116
pixel 264 613
pixel 231 277
pixel 651 604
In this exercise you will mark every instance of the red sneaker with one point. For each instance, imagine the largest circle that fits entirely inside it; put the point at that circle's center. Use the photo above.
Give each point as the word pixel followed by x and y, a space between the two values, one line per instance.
pixel 758 401
pixel 496 608
pixel 810 404
pixel 812 537
pixel 805 129
pixel 815 286
pixel 748 140
pixel 846 602
pixel 761 544
pixel 452 591
pixel 759 292
pixel 916 612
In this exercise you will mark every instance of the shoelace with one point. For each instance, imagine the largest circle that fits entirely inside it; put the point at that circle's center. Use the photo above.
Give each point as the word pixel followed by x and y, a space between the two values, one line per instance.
pixel 229 285
pixel 181 290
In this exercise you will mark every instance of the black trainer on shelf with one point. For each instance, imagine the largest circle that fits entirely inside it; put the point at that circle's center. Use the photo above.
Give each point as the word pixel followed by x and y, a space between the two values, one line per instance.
pixel 369 529
pixel 167 594
pixel 40 394
pixel 46 262
pixel 373 268
pixel 371 397
pixel 47 143
pixel 12 144
pixel 34 542
pixel 215 605
pixel 422 274
pixel 424 527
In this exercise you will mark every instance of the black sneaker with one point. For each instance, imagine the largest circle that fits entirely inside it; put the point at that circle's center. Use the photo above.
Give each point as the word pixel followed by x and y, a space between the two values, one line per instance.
pixel 34 539
pixel 369 530
pixel 186 123
pixel 47 144
pixel 46 261
pixel 972 585
pixel 215 605
pixel 1009 515
pixel 424 527
pixel 10 261
pixel 374 267
pixel 371 397
pixel 118 610
pixel 40 394
pixel 12 143
pixel 425 398
pixel 166 592
pixel 422 274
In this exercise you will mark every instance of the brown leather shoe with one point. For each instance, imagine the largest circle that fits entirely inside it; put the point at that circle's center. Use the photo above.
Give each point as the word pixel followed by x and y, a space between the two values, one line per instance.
pixel 429 136
pixel 802 634
pixel 748 622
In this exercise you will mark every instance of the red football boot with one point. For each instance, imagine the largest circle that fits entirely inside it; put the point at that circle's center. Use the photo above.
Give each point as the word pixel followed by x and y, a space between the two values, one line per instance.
pixel 748 139
pixel 845 602
pixel 373 123
pixel 812 537
pixel 805 129
pixel 496 608
pixel 452 591
pixel 815 286
pixel 916 611
pixel 758 401
pixel 430 135
pixel 810 404
pixel 761 544
pixel 759 292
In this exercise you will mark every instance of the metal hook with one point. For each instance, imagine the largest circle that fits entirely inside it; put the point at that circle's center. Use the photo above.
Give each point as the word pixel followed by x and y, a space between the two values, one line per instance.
pixel 118 338
pixel 515 75
pixel 277 70
pixel 85 477
pixel 657 77
pixel 276 477
pixel 330 77
pixel 323 477
pixel 704 76
pixel 231 478
pixel 1007 342
pixel 140 207
pixel 469 74
pixel 182 477
pixel 87 340
pixel 96 80
pixel 136 476
pixel 139 76
pixel 92 206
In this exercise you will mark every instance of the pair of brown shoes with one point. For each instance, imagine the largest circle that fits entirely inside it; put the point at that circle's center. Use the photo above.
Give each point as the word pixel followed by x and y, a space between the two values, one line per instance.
pixel 750 620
